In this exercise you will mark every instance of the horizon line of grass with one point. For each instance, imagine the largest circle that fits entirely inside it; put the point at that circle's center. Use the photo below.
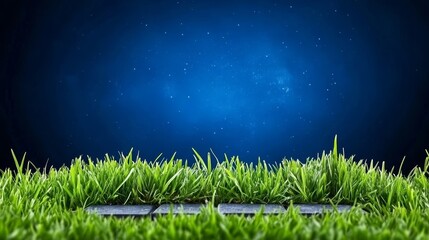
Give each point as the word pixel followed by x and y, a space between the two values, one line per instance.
pixel 48 203
pixel 331 178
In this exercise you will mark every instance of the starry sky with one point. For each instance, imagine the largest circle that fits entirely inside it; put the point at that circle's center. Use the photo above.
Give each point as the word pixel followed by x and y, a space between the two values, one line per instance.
pixel 268 79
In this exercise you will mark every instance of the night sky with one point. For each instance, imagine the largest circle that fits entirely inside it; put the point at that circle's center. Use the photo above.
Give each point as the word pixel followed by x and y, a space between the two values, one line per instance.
pixel 267 79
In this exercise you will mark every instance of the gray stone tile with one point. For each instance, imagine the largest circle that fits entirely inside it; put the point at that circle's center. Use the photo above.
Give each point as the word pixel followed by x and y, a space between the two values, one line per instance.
pixel 223 208
pixel 122 210
pixel 178 208
pixel 249 209
pixel 312 209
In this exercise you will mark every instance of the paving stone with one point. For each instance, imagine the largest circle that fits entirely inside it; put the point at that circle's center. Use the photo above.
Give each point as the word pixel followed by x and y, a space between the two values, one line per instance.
pixel 178 208
pixel 122 210
pixel 223 208
pixel 249 209
pixel 312 209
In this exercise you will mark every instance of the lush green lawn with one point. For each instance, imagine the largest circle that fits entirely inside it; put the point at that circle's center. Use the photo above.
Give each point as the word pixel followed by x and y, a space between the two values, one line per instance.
pixel 48 203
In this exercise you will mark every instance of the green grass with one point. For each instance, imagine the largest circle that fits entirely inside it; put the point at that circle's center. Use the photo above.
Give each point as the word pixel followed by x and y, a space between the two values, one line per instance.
pixel 48 203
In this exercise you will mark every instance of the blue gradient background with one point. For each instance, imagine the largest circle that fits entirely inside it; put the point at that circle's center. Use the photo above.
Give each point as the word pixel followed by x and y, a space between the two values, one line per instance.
pixel 267 79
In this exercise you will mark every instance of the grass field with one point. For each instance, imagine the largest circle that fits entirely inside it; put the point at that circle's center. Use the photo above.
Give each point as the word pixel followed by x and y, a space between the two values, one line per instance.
pixel 49 203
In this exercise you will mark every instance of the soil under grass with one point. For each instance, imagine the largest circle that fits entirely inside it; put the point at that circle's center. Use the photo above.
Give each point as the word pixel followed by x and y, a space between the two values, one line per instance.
pixel 49 203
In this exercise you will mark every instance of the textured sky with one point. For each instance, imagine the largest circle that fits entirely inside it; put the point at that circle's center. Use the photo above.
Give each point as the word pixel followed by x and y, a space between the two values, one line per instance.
pixel 267 79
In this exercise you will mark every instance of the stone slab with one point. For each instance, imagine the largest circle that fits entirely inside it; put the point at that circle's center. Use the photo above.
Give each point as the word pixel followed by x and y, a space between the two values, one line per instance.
pixel 223 208
pixel 312 209
pixel 249 209
pixel 188 208
pixel 122 210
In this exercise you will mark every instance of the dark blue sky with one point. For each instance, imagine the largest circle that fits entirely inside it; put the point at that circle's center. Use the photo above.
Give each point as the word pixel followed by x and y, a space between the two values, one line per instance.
pixel 251 78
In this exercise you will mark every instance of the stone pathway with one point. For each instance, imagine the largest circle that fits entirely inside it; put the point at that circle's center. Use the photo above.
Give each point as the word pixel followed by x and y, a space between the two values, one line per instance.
pixel 223 208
